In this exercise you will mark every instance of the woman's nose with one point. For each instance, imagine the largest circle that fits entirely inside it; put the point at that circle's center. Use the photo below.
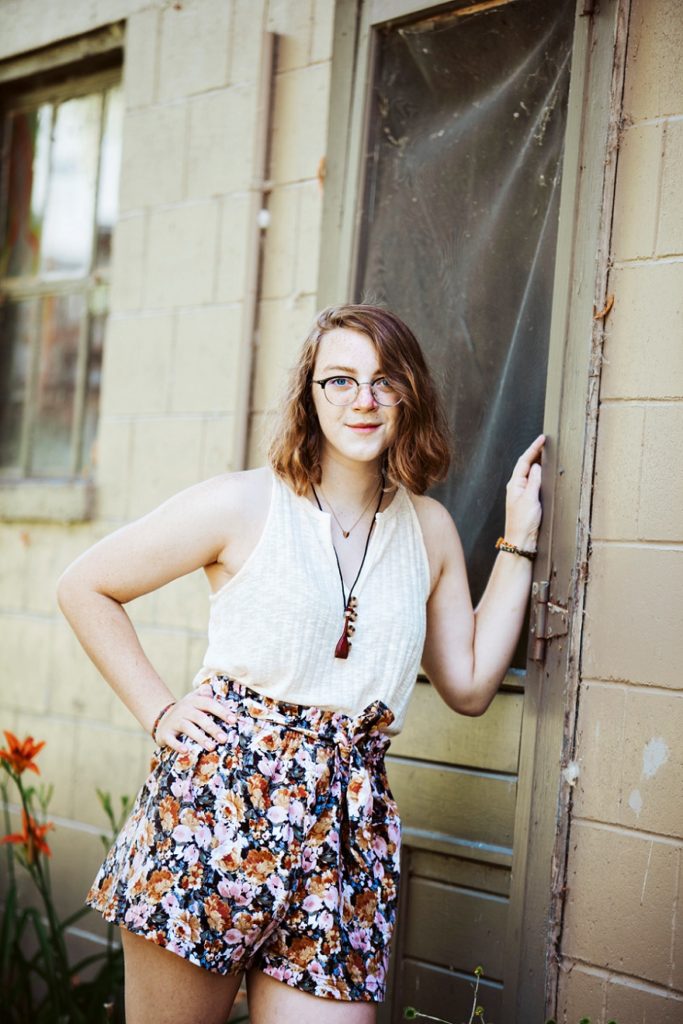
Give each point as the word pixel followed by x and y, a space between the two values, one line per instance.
pixel 365 397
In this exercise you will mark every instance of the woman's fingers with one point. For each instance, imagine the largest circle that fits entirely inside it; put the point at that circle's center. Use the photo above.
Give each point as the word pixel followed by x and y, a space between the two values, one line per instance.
pixel 529 457
pixel 195 717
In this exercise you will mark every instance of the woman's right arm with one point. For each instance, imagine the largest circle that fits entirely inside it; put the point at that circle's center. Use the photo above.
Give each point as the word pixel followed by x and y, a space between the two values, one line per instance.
pixel 185 533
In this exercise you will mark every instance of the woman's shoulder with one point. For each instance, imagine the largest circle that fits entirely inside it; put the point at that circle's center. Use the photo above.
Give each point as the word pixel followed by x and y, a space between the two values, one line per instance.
pixel 438 531
pixel 239 491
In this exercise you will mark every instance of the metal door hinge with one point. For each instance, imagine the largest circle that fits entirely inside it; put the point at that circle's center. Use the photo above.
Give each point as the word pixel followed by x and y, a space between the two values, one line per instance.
pixel 548 619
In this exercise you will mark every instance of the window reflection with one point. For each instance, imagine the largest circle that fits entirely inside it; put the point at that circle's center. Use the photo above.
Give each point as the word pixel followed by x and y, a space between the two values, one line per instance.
pixel 18 322
pixel 60 176
pixel 460 227
pixel 70 207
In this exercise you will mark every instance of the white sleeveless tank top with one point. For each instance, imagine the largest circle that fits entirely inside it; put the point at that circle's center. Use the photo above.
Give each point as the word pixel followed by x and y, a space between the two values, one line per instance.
pixel 275 624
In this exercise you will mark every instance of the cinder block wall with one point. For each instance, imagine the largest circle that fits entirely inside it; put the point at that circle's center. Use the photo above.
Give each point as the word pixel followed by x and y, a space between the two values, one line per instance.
pixel 178 303
pixel 622 945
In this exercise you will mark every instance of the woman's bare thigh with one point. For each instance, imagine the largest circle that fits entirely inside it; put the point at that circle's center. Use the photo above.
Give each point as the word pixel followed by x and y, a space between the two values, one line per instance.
pixel 163 988
pixel 274 1002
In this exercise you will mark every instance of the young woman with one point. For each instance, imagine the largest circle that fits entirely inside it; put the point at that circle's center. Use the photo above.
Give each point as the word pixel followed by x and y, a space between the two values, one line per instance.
pixel 265 838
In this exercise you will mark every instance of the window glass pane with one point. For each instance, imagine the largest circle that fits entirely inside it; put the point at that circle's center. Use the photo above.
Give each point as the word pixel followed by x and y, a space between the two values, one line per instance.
pixel 70 210
pixel 61 322
pixel 18 324
pixel 460 227
pixel 110 164
pixel 27 171
pixel 92 392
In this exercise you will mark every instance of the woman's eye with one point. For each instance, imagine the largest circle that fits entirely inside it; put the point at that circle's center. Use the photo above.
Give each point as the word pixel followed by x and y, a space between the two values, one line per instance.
pixel 339 382
pixel 384 384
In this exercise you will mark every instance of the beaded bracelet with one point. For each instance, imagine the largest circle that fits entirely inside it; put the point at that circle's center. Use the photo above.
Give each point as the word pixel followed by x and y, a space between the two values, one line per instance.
pixel 505 545
pixel 153 730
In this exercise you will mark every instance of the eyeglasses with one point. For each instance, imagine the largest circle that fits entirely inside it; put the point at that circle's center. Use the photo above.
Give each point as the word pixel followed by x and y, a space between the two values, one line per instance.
pixel 344 390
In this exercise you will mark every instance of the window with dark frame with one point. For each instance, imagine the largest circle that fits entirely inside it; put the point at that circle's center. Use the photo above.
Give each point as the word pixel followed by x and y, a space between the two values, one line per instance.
pixel 59 173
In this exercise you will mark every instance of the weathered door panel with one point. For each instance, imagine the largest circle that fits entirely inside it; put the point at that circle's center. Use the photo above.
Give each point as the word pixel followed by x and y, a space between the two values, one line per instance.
pixel 445 199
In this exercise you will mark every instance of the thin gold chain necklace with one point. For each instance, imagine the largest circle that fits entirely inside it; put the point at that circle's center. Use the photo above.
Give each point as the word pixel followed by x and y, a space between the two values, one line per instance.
pixel 345 533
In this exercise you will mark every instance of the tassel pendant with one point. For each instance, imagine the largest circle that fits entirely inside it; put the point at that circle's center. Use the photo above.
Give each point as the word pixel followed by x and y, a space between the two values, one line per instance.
pixel 344 643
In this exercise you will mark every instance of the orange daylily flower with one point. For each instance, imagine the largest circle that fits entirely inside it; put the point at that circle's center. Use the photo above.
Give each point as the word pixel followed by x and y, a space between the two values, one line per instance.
pixel 32 838
pixel 20 755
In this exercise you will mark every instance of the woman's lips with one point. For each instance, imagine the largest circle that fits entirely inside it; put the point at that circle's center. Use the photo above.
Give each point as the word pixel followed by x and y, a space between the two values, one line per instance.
pixel 363 428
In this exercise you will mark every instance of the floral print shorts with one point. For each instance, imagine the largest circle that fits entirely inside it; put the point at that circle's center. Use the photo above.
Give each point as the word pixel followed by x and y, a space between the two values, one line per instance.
pixel 279 849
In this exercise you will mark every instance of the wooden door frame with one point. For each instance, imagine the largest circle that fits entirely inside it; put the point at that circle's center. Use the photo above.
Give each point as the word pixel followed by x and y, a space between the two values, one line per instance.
pixel 570 421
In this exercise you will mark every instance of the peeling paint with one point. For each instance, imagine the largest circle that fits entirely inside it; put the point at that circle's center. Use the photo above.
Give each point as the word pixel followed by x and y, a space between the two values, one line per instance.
pixel 635 801
pixel 655 754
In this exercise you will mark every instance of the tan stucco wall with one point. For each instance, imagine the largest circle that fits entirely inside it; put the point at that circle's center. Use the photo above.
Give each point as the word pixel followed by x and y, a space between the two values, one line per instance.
pixel 622 945
pixel 178 305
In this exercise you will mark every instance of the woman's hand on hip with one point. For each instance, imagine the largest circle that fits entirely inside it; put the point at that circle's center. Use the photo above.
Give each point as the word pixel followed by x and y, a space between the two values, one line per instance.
pixel 194 717
pixel 522 503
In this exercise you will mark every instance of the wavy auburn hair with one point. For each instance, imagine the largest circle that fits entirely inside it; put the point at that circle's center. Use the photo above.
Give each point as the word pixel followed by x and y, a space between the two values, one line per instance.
pixel 420 454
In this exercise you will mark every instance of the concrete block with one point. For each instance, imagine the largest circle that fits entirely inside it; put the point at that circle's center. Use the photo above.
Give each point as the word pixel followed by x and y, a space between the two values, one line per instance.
pixel 292 22
pixel 167 651
pixel 136 364
pixel 114 760
pixel 233 246
pixel 627 600
pixel 670 228
pixel 284 326
pixel 76 858
pixel 308 239
pixel 621 894
pixel 300 123
pixel 282 240
pixel 221 142
pixel 14 544
pixel 154 154
pixel 677 945
pixel 634 1001
pixel 643 355
pixel 166 458
pixel 114 443
pixel 56 760
pixel 246 49
pixel 600 749
pixel 140 65
pixel 181 255
pixel 323 30
pixel 660 515
pixel 617 472
pixel 261 425
pixel 637 188
pixel 46 560
pixel 76 688
pixel 25 662
pixel 218 445
pixel 195 47
pixel 654 85
pixel 652 763
pixel 128 261
pixel 581 994
pixel 203 369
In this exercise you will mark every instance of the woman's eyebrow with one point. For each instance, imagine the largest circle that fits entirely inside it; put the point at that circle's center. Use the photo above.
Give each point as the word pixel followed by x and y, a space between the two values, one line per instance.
pixel 348 369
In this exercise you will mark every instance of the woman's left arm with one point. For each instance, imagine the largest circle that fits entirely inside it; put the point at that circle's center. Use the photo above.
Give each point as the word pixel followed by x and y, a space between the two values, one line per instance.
pixel 467 652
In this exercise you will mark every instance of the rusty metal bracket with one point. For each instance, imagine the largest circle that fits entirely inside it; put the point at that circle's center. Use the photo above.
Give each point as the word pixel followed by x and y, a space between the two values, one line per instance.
pixel 549 620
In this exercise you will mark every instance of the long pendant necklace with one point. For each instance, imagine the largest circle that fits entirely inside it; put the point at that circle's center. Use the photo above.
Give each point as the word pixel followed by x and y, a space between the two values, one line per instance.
pixel 350 603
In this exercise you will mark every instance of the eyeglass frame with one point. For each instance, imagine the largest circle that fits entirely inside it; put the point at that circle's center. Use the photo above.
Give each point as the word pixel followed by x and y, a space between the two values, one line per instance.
pixel 359 384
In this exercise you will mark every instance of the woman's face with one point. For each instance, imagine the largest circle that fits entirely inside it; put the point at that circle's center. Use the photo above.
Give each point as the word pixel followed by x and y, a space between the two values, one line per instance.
pixel 361 431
